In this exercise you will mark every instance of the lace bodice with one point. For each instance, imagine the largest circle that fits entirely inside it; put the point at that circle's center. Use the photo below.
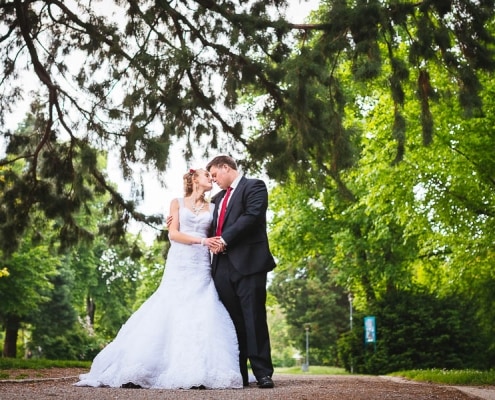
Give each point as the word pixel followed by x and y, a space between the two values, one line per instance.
pixel 192 224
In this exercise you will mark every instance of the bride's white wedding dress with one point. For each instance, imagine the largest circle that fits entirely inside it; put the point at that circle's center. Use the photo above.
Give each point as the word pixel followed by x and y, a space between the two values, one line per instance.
pixel 182 336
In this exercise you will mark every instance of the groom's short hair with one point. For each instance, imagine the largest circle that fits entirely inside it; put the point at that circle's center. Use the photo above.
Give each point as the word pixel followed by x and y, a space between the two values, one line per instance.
pixel 219 161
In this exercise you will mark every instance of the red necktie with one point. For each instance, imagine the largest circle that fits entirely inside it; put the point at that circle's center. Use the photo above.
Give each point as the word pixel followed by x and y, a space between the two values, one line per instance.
pixel 222 212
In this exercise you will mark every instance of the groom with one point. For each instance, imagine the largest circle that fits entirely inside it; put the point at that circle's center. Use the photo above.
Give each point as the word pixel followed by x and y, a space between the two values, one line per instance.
pixel 241 262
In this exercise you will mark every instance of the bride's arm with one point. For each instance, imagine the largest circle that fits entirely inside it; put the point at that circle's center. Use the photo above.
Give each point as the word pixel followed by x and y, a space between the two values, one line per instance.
pixel 173 229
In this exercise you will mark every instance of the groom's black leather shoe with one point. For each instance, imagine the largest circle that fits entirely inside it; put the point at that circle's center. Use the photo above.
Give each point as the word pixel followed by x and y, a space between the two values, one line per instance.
pixel 265 383
pixel 130 385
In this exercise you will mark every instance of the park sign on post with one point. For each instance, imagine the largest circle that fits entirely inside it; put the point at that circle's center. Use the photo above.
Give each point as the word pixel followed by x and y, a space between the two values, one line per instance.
pixel 369 330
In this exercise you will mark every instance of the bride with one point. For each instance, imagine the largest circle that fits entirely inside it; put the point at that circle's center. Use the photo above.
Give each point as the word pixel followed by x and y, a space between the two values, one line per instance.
pixel 182 336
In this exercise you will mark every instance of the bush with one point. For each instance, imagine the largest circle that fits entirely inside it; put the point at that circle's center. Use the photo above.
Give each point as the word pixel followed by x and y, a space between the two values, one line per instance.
pixel 76 344
pixel 416 330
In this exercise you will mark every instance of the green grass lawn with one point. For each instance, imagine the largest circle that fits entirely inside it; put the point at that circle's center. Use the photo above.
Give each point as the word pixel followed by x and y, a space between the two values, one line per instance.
pixel 447 377
pixel 312 370
pixel 36 363
pixel 467 377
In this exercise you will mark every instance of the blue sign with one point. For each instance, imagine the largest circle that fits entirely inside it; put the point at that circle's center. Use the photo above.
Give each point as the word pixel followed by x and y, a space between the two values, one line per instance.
pixel 369 330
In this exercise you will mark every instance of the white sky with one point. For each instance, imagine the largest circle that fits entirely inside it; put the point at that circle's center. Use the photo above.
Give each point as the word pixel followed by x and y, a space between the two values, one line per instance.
pixel 157 198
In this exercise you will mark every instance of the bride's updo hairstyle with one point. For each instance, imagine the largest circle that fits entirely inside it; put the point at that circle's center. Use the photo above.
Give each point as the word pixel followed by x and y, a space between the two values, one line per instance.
pixel 189 181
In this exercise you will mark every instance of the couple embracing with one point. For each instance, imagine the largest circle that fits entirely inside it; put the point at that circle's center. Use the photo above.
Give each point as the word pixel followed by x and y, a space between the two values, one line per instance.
pixel 208 316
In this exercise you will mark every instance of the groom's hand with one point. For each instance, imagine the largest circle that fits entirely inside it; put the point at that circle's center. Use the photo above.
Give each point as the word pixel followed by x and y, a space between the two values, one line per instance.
pixel 216 245
pixel 169 221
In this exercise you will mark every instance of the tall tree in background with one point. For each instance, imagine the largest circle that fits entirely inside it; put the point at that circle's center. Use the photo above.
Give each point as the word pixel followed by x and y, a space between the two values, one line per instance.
pixel 376 75
pixel 48 284
pixel 28 283
pixel 53 323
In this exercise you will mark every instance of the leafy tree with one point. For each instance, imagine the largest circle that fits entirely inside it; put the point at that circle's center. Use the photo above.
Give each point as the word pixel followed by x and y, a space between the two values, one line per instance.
pixel 58 315
pixel 449 209
pixel 391 212
pixel 311 299
pixel 106 284
pixel 281 340
pixel 118 280
pixel 61 183
pixel 353 53
pixel 152 266
pixel 26 287
pixel 55 330
pixel 42 274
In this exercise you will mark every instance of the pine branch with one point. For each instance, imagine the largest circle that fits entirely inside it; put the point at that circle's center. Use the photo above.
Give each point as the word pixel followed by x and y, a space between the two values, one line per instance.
pixel 128 206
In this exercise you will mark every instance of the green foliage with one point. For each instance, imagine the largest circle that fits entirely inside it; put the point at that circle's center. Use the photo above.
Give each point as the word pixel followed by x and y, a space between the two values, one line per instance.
pixel 8 363
pixel 469 377
pixel 426 220
pixel 363 50
pixel 309 298
pixel 74 344
pixel 55 329
pixel 50 289
pixel 313 370
pixel 282 344
pixel 152 265
pixel 27 284
pixel 417 330
pixel 138 91
pixel 379 117
pixel 106 286
pixel 118 280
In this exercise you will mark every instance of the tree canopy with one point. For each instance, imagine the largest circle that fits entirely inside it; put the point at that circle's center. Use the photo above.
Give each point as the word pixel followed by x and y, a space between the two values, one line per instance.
pixel 135 77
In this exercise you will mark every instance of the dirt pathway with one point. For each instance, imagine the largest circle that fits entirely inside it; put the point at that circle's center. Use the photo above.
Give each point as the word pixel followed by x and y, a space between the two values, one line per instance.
pixel 287 387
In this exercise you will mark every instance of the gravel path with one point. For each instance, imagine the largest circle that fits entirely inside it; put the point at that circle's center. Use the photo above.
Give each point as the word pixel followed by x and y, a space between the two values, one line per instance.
pixel 287 387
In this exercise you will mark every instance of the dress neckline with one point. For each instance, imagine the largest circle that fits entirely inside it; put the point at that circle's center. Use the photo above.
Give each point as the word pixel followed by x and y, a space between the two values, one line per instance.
pixel 205 210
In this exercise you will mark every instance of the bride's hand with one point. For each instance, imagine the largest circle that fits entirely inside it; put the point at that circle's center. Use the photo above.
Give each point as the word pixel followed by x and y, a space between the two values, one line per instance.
pixel 215 245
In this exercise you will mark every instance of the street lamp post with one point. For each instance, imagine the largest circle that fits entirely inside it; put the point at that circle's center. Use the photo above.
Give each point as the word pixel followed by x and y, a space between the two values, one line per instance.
pixel 350 321
pixel 305 366
pixel 350 308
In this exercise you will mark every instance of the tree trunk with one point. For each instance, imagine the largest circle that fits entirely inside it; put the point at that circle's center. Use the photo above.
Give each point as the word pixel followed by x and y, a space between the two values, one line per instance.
pixel 90 309
pixel 12 326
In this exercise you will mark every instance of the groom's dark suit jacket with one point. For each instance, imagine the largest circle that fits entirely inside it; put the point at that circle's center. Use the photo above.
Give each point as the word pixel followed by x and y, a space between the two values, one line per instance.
pixel 244 227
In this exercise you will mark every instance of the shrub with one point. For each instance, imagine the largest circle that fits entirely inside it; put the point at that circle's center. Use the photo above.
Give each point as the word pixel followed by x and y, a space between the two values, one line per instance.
pixel 416 330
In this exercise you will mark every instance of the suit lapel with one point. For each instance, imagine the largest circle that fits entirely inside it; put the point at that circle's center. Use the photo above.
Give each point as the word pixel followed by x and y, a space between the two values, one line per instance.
pixel 234 195
pixel 217 198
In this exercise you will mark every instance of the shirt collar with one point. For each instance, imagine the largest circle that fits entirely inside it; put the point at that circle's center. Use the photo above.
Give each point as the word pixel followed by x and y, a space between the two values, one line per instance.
pixel 234 184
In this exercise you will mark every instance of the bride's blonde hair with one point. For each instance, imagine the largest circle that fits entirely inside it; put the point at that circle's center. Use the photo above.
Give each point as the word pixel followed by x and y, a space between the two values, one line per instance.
pixel 188 179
